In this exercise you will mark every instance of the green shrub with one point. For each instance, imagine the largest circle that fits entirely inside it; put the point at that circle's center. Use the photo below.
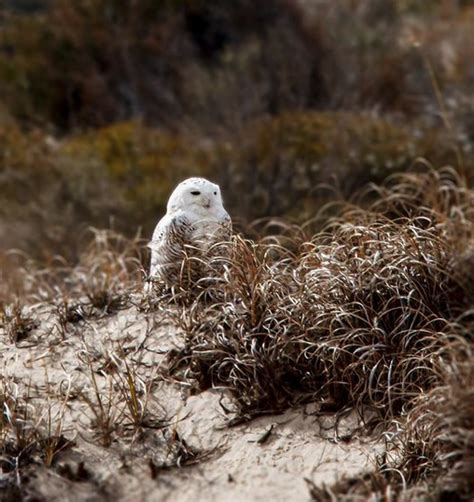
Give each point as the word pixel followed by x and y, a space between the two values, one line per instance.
pixel 275 168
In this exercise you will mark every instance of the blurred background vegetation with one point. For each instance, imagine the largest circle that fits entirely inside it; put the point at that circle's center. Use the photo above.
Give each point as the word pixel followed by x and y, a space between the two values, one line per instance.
pixel 106 104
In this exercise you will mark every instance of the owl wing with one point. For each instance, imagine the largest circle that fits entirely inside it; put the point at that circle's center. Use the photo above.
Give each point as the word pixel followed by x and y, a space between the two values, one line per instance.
pixel 167 244
pixel 225 227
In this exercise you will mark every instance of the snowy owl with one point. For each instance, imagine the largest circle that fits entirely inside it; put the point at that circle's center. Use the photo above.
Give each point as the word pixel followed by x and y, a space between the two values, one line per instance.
pixel 195 216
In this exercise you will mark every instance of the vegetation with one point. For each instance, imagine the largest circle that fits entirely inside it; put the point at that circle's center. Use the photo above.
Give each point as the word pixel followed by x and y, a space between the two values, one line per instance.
pixel 370 313
pixel 126 99
pixel 342 135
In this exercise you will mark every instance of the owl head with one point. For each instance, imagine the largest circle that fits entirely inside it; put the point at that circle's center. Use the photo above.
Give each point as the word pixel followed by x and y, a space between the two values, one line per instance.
pixel 197 195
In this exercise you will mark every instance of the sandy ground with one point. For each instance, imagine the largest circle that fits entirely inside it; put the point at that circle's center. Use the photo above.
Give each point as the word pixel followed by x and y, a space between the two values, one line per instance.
pixel 265 459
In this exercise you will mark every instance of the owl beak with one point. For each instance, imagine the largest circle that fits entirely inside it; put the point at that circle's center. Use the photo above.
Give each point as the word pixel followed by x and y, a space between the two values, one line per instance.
pixel 207 202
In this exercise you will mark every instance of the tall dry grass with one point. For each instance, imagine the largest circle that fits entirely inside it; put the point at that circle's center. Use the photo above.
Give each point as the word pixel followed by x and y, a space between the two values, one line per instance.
pixel 364 314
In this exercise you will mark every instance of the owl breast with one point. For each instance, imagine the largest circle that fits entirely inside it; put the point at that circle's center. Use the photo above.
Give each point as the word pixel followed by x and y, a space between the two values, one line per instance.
pixel 206 230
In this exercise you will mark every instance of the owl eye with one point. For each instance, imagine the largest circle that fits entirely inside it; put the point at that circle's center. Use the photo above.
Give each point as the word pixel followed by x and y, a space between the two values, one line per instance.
pixel 195 192
pixel 215 193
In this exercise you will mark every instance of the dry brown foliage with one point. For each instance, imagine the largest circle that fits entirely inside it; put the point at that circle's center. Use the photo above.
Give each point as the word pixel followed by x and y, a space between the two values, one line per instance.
pixel 364 314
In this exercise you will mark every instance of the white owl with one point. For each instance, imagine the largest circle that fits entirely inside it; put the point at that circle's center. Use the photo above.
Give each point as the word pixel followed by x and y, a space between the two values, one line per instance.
pixel 195 216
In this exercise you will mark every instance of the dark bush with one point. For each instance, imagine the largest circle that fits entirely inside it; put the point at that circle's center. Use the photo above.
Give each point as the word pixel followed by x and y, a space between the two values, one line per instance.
pixel 91 63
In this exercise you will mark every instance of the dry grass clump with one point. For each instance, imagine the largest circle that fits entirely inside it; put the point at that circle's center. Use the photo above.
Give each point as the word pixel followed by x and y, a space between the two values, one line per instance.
pixel 362 315
pixel 32 431
pixel 15 322
pixel 371 486
pixel 108 273
pixel 109 268
pixel 443 193
pixel 430 451
pixel 437 444
pixel 121 394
